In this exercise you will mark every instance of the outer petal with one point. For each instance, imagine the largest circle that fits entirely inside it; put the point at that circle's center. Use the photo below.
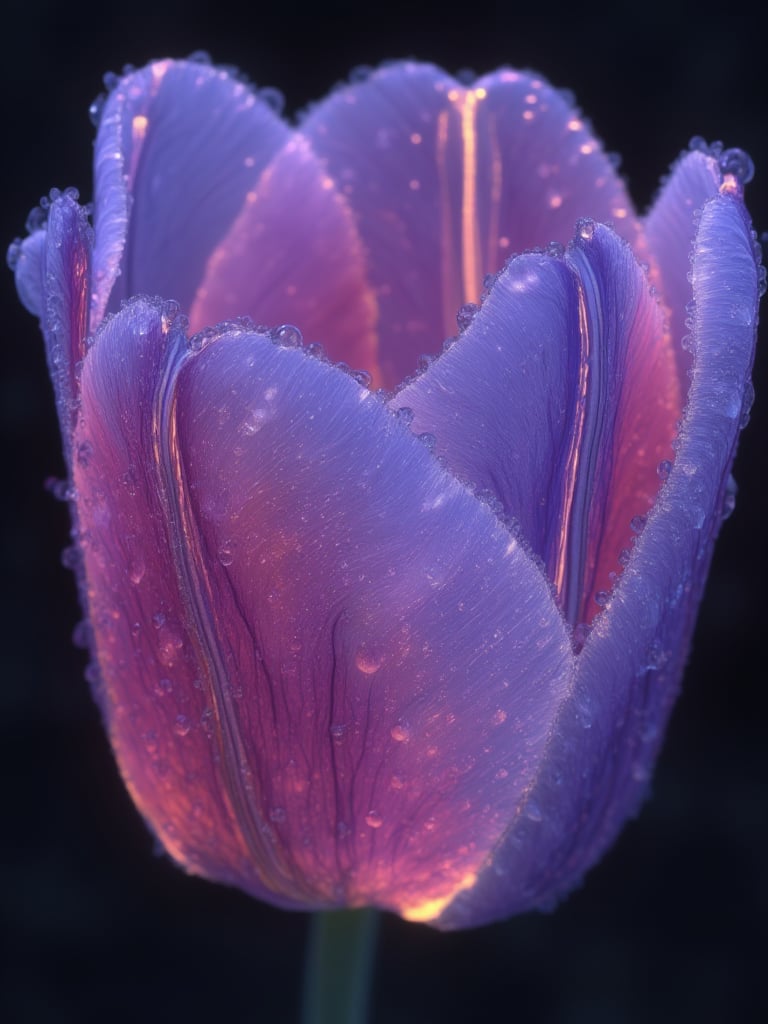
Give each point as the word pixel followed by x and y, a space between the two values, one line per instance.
pixel 560 399
pixel 293 255
pixel 180 145
pixel 671 230
pixel 448 181
pixel 316 646
pixel 628 674
pixel 53 275
pixel 26 259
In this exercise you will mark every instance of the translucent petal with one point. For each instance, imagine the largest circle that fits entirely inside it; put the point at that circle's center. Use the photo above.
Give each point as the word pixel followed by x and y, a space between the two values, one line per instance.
pixel 293 255
pixel 447 181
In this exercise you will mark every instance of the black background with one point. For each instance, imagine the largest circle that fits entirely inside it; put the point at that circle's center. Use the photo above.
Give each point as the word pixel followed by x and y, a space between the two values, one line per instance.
pixel 671 926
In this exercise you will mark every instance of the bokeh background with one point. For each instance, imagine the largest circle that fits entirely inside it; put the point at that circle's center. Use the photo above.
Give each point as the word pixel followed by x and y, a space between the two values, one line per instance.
pixel 97 926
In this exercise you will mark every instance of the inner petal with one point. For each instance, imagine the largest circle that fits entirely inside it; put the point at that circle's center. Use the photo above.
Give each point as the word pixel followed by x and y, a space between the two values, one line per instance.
pixel 560 399
pixel 293 254
pixel 447 181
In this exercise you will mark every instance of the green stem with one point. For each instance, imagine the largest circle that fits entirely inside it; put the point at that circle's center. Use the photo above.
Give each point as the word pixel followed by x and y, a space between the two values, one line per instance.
pixel 339 967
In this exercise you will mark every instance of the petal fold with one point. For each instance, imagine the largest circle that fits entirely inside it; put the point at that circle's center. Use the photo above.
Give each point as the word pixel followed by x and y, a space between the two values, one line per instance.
pixel 560 400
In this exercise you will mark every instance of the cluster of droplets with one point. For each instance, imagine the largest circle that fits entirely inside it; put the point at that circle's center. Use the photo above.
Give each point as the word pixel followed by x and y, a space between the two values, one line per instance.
pixel 731 161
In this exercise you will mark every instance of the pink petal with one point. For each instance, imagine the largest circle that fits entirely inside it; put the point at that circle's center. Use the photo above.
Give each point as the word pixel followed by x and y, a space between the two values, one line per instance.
pixel 293 255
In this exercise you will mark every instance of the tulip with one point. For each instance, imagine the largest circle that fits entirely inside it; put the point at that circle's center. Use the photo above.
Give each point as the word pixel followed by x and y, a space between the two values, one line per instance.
pixel 373 636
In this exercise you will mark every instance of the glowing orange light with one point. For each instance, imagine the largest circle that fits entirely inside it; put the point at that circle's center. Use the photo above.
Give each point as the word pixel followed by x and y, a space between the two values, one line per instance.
pixel 432 908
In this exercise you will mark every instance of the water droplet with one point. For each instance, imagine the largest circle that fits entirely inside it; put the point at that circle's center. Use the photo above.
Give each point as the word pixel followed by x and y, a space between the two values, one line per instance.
pixel 373 819
pixel 338 731
pixel 81 635
pixel 746 407
pixel 150 741
pixel 70 557
pixel 278 815
pixel 428 440
pixel 273 98
pixel 637 524
pixel 182 725
pixel 729 498
pixel 585 229
pixel 170 645
pixel 96 109
pixel 158 620
pixel 664 468
pixel 369 659
pixel 84 453
pixel 499 717
pixel 163 687
pixel 466 315
pixel 136 570
pixel 14 254
pixel 254 421
pixel 288 336
pixel 226 554
pixel 654 657
pixel 397 782
pixel 401 732
pixel 533 811
pixel 405 415
pixel 602 597
pixel 738 163
pixel 580 633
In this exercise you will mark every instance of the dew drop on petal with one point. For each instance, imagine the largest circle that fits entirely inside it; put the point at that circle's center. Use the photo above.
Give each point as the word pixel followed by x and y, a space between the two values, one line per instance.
pixel 182 725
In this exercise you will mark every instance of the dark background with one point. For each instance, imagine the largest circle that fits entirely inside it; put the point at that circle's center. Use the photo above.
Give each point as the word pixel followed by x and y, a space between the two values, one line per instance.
pixel 671 926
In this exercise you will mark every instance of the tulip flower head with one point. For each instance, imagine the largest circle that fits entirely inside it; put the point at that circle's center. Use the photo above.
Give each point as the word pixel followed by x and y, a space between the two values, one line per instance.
pixel 379 618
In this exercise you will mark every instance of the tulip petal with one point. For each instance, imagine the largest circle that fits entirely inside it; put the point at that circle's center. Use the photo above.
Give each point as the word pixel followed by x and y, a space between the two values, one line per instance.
pixel 28 271
pixel 53 278
pixel 628 675
pixel 671 229
pixel 533 404
pixel 357 630
pixel 293 254
pixel 447 181
pixel 180 144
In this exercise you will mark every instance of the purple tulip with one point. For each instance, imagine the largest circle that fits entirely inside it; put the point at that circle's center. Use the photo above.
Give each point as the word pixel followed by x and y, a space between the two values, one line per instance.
pixel 412 647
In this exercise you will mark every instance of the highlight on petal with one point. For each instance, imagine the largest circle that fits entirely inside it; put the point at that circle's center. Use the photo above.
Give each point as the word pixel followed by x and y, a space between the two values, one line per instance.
pixel 604 746
pixel 447 181
pixel 560 400
pixel 180 145
pixel 293 254
pixel 316 645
